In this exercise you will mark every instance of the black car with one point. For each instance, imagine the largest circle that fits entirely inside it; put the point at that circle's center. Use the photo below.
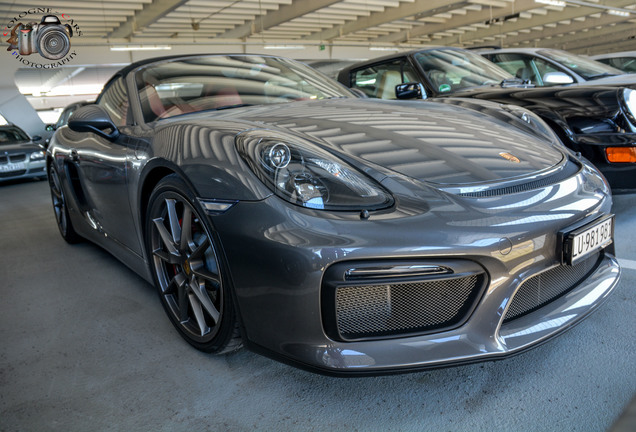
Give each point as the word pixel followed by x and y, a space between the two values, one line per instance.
pixel 21 157
pixel 597 121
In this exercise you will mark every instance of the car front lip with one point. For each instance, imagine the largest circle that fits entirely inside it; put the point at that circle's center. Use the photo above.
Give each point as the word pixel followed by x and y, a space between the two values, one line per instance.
pixel 279 298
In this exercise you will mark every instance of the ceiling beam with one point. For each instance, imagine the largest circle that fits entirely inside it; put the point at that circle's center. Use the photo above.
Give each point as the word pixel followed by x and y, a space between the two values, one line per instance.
pixel 419 8
pixel 561 29
pixel 486 14
pixel 594 37
pixel 285 13
pixel 149 14
pixel 522 24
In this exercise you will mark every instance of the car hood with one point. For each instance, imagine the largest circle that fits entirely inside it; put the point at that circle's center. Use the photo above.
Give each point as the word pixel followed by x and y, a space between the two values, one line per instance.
pixel 434 142
pixel 19 147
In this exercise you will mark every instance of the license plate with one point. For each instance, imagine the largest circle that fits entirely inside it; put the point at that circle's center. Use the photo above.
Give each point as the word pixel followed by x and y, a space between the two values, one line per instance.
pixel 12 167
pixel 588 239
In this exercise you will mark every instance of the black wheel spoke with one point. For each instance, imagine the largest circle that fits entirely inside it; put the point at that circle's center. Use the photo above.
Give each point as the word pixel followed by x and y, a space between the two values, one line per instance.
pixel 166 257
pixel 165 236
pixel 198 289
pixel 202 273
pixel 198 314
pixel 173 220
pixel 186 230
pixel 200 250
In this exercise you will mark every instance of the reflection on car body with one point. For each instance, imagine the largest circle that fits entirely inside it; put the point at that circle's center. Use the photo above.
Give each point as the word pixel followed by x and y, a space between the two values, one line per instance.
pixel 597 121
pixel 272 208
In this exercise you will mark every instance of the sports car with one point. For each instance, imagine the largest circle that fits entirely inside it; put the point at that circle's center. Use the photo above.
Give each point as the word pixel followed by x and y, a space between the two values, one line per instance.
pixel 597 121
pixel 272 208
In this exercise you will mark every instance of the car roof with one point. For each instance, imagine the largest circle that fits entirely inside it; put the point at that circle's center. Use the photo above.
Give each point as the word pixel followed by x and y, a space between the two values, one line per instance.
pixel 375 60
pixel 614 54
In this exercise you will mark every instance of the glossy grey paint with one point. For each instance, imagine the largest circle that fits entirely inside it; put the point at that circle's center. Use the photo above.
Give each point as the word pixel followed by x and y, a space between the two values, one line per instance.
pixel 587 118
pixel 277 252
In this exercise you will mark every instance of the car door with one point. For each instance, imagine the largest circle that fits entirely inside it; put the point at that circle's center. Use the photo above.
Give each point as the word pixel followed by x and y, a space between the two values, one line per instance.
pixel 103 166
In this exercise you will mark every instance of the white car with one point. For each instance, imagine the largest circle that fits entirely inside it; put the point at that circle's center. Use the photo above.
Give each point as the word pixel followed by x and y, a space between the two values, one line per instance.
pixel 547 67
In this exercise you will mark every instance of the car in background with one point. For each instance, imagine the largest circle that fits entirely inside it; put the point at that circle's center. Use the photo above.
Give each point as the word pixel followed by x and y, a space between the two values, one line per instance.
pixel 597 121
pixel 548 67
pixel 21 157
pixel 625 60
pixel 67 112
pixel 271 207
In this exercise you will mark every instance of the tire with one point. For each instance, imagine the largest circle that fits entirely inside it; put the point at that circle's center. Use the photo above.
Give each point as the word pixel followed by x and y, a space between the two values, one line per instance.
pixel 60 208
pixel 189 270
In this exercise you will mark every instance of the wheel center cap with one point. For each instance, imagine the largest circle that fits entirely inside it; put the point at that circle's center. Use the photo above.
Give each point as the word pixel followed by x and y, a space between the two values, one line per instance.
pixel 187 268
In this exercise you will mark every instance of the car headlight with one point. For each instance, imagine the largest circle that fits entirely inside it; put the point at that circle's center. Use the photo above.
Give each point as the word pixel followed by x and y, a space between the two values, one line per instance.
pixel 38 155
pixel 307 176
pixel 533 122
pixel 629 97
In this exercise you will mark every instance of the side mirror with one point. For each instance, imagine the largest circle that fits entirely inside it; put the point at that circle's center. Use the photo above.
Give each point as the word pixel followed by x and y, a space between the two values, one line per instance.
pixel 412 90
pixel 36 138
pixel 92 118
pixel 557 78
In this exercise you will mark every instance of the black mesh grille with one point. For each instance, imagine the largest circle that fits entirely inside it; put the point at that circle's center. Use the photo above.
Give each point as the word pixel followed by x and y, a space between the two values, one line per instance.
pixel 12 173
pixel 545 287
pixel 392 309
pixel 568 171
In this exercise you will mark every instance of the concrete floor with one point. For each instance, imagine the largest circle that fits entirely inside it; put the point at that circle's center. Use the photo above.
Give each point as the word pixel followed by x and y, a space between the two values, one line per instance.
pixel 85 346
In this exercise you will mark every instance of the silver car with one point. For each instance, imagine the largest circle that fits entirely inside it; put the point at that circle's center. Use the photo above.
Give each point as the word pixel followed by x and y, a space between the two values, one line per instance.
pixel 547 66
pixel 20 156
pixel 272 208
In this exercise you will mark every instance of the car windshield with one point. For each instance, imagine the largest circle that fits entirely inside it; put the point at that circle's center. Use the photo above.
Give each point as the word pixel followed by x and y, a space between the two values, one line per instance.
pixel 450 70
pixel 587 68
pixel 12 135
pixel 196 84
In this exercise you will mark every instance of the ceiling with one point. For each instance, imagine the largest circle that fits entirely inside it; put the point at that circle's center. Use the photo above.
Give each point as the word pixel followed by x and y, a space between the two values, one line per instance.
pixel 586 27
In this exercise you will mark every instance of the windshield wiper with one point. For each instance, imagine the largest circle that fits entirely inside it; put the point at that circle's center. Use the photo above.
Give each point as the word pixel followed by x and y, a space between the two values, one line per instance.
pixel 231 106
pixel 603 75
pixel 515 82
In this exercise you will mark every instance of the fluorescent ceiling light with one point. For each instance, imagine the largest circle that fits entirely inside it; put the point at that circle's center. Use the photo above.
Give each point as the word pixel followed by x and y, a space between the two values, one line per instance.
pixel 140 47
pixel 621 13
pixel 284 47
pixel 551 2
pixel 384 49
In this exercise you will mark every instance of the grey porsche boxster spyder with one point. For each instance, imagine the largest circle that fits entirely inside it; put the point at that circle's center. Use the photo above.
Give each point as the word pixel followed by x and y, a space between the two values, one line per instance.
pixel 273 208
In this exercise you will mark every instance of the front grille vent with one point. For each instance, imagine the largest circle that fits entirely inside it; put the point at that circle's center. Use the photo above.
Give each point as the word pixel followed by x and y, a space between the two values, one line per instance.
pixel 568 171
pixel 549 285
pixel 13 158
pixel 364 311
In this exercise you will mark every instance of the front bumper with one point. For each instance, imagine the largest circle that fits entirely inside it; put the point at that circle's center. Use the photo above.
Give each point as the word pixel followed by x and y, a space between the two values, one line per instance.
pixel 278 256
pixel 31 169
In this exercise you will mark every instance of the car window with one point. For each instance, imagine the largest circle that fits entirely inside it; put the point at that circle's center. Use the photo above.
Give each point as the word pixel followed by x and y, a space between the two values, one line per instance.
pixel 521 66
pixel 543 67
pixel 449 70
pixel 12 135
pixel 222 82
pixel 114 101
pixel 587 68
pixel 626 64
pixel 379 81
